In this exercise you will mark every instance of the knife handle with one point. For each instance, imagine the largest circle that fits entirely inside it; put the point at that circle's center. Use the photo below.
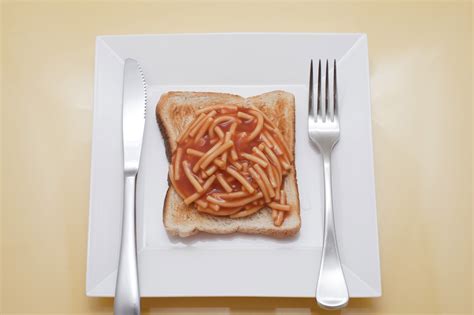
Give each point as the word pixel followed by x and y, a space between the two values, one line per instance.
pixel 127 294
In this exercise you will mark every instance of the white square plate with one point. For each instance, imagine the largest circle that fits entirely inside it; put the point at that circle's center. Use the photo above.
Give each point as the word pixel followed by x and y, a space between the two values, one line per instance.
pixel 235 265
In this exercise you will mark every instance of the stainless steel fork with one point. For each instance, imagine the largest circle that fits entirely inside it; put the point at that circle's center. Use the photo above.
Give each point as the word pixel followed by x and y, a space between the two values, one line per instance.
pixel 323 129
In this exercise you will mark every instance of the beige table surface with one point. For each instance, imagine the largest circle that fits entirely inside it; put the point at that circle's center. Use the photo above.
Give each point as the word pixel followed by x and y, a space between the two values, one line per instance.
pixel 421 81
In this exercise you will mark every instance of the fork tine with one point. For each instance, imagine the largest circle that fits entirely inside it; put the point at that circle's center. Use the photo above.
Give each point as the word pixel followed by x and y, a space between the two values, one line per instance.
pixel 310 97
pixel 326 105
pixel 318 108
pixel 336 105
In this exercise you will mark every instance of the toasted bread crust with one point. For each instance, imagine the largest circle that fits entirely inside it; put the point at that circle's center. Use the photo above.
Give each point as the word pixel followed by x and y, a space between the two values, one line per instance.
pixel 174 112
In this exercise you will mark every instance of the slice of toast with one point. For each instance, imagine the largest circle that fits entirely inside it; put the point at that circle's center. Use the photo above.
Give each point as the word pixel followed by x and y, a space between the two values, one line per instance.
pixel 175 111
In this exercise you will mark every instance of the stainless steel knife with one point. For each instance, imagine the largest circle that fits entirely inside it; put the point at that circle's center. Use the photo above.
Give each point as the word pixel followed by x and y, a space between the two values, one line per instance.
pixel 127 292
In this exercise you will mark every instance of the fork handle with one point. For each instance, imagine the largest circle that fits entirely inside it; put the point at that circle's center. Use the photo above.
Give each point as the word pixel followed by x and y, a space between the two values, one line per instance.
pixel 127 294
pixel 331 292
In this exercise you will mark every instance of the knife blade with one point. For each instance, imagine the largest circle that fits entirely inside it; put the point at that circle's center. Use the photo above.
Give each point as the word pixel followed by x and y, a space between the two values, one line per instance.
pixel 134 107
